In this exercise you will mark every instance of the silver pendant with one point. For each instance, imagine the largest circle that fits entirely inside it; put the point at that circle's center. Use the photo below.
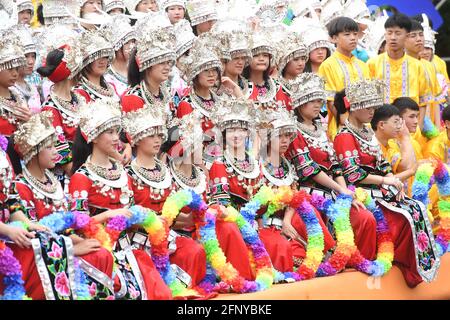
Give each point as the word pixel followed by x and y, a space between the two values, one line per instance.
pixel 124 198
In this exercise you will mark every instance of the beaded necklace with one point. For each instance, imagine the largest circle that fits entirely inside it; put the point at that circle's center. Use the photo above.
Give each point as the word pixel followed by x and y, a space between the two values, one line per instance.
pixel 68 109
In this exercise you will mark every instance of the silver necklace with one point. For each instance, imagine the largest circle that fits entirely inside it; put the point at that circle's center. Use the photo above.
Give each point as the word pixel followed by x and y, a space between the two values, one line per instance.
pixel 67 108
pixel 99 91
pixel 315 133
pixel 197 184
pixel 53 191
pixel 251 173
pixel 287 180
pixel 163 182
pixel 199 104
pixel 365 133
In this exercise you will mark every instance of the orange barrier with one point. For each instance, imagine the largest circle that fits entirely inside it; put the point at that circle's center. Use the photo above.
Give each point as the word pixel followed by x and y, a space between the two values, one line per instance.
pixel 352 284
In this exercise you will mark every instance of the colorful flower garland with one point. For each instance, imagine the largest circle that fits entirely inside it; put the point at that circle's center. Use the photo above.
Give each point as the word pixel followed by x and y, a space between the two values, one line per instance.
pixel 300 201
pixel 339 214
pixel 86 225
pixel 216 258
pixel 385 246
pixel 442 178
pixel 11 270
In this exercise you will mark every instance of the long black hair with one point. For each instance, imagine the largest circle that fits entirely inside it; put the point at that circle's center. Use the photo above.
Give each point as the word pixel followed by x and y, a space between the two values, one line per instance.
pixel 134 76
pixel 81 150
pixel 308 65
pixel 14 156
pixel 339 104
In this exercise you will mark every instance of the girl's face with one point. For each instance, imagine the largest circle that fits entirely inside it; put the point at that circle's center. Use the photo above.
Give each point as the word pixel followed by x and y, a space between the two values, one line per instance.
pixel 175 13
pixel 146 6
pixel 25 16
pixel 260 62
pixel 280 143
pixel 205 26
pixel 99 67
pixel 126 49
pixel 208 78
pixel 235 67
pixel 150 145
pixel 311 110
pixel 364 115
pixel 427 54
pixel 159 72
pixel 29 67
pixel 115 11
pixel 318 55
pixel 295 67
pixel 9 77
pixel 235 137
pixel 90 7
pixel 48 157
pixel 108 141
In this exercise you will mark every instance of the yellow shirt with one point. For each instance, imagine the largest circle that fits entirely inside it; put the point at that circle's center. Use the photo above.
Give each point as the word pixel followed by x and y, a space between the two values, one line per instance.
pixel 404 77
pixel 34 20
pixel 417 144
pixel 339 71
pixel 438 148
pixel 441 68
pixel 392 153
pixel 436 91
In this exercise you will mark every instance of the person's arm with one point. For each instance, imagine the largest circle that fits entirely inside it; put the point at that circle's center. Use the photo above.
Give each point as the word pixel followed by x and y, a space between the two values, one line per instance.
pixel 425 94
pixel 406 150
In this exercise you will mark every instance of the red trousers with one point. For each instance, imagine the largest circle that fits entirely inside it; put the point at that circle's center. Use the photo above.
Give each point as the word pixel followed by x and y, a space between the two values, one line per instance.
pixel 365 230
pixel 404 253
pixel 234 248
pixel 154 284
pixel 191 257
pixel 278 247
pixel 101 259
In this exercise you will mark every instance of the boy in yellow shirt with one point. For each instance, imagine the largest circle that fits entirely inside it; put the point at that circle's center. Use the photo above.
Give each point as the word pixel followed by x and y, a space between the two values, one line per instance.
pixel 403 75
pixel 395 142
pixel 439 147
pixel 409 111
pixel 414 45
pixel 342 67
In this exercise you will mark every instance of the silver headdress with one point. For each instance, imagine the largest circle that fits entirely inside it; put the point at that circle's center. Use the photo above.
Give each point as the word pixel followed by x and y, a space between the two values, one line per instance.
pixel 235 113
pixel 109 5
pixel 290 47
pixel 202 56
pixel 11 50
pixel 34 135
pixel 145 122
pixel 98 116
pixel 185 37
pixel 118 31
pixel 307 87
pixel 94 46
pixel 365 94
pixel 156 40
pixel 26 38
pixel 201 11
pixel 331 9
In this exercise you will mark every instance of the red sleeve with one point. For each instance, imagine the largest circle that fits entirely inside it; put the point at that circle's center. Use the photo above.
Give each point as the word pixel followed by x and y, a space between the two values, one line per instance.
pixel 299 155
pixel 83 93
pixel 184 108
pixel 79 187
pixel 218 184
pixel 131 102
pixel 347 153
pixel 28 201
